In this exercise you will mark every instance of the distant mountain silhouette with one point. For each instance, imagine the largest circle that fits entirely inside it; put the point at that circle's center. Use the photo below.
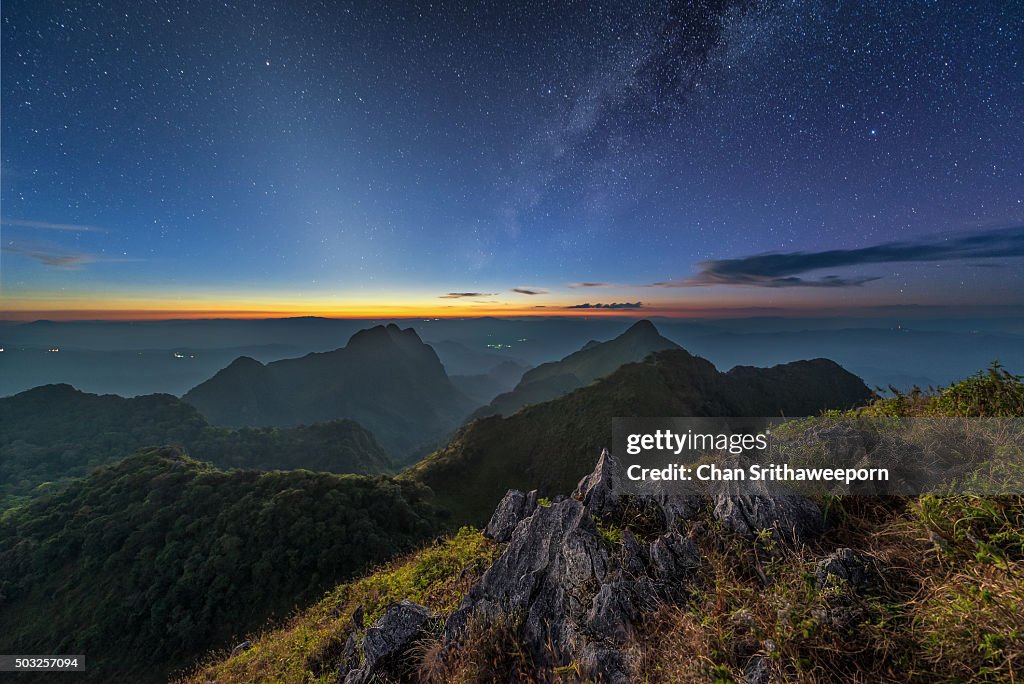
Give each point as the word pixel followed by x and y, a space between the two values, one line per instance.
pixel 481 388
pixel 460 359
pixel 386 379
pixel 594 360
pixel 550 446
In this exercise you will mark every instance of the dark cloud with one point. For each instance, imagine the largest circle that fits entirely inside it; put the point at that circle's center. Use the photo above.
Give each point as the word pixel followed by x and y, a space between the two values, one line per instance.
pixel 52 257
pixel 589 285
pixel 784 270
pixel 526 291
pixel 465 295
pixel 613 305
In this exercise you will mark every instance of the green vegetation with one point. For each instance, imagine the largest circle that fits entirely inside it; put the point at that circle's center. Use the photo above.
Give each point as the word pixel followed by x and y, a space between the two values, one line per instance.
pixel 943 598
pixel 946 604
pixel 931 611
pixel 595 360
pixel 309 648
pixel 994 392
pixel 159 558
pixel 550 446
pixel 52 434
pixel 149 562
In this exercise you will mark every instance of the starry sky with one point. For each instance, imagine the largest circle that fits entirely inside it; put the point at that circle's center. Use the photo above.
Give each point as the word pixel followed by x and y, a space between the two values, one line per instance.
pixel 665 158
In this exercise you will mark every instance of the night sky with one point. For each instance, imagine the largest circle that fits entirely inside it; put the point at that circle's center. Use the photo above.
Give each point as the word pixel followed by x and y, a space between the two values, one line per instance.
pixel 341 158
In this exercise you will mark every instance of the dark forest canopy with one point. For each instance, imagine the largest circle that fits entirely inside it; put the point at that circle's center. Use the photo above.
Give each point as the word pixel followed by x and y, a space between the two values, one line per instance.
pixel 151 561
pixel 53 433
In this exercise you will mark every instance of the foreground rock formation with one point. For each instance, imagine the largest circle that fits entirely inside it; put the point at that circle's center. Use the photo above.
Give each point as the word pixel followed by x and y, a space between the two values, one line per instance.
pixel 573 586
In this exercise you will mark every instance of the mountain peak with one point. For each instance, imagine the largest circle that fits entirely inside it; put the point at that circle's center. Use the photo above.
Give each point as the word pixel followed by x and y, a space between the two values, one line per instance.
pixel 642 327
pixel 244 362
pixel 385 334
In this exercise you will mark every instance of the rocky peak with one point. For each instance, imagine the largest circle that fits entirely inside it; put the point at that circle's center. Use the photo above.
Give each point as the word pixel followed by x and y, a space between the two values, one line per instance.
pixel 641 328
pixel 244 363
pixel 579 595
pixel 379 334
pixel 574 594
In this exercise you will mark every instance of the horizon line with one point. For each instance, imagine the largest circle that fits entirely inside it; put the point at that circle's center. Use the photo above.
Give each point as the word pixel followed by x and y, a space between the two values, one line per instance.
pixel 709 313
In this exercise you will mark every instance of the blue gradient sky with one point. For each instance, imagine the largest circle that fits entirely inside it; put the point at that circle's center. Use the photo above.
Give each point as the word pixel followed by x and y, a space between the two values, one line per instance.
pixel 355 158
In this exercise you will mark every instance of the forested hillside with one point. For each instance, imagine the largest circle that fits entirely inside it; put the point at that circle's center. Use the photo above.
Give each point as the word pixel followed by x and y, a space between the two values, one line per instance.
pixel 52 434
pixel 153 560
pixel 878 589
pixel 551 445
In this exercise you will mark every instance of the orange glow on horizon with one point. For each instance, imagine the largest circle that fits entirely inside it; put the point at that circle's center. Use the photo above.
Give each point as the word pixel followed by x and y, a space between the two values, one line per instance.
pixel 387 312
pixel 390 305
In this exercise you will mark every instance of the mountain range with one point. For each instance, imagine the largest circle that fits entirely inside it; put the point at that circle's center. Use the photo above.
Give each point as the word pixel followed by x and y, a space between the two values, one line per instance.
pixel 385 378
pixel 52 434
pixel 549 446
pixel 596 359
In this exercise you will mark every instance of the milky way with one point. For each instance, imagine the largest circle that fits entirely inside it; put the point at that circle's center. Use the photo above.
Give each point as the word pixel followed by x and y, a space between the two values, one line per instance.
pixel 434 151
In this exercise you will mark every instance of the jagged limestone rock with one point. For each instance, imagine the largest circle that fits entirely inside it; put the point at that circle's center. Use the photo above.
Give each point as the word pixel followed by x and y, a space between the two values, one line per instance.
pixel 597 490
pixel 616 665
pixel 513 508
pixel 676 507
pixel 554 558
pixel 673 557
pixel 752 507
pixel 843 566
pixel 613 611
pixel 388 640
pixel 576 595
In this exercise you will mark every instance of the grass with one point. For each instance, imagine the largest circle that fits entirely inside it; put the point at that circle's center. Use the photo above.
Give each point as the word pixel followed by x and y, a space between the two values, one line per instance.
pixel 994 392
pixel 309 648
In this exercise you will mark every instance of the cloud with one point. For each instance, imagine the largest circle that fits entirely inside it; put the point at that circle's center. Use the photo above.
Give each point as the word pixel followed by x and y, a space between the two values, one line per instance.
pixel 529 291
pixel 46 225
pixel 466 295
pixel 56 256
pixel 786 269
pixel 574 285
pixel 613 305
pixel 52 257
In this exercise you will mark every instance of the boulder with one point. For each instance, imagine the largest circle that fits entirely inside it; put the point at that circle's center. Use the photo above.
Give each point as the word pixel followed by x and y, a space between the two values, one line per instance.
pixel 752 507
pixel 386 643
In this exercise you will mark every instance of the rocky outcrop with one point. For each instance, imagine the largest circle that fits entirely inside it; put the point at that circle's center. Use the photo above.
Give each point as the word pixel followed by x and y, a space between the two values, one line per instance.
pixel 751 508
pixel 578 596
pixel 513 508
pixel 573 587
pixel 843 566
pixel 597 490
pixel 382 653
